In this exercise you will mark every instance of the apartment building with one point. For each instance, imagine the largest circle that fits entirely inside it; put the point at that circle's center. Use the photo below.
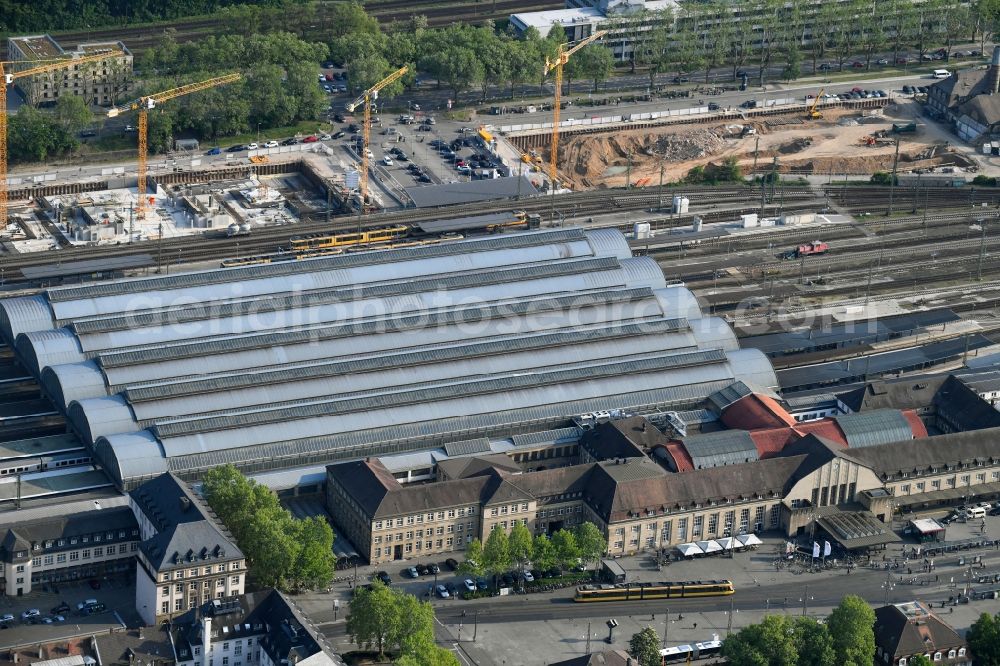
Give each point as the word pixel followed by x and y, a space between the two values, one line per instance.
pixel 187 557
pixel 258 629
pixel 87 545
pixel 905 630
pixel 101 83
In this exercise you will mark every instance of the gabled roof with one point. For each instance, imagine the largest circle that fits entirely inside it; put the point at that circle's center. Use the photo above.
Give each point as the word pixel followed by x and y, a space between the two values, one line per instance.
pixel 911 628
pixel 756 411
pixel 606 658
pixel 815 452
pixel 984 109
pixel 460 468
pixel 725 447
pixel 906 393
pixel 959 404
pixel 558 481
pixel 622 438
pixel 935 452
pixel 963 84
pixel 618 499
pixel 187 544
pixel 825 428
pixel 872 427
pixel 367 481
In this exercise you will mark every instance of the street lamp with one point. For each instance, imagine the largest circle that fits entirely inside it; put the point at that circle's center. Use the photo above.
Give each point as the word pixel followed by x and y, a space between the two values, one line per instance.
pixel 258 132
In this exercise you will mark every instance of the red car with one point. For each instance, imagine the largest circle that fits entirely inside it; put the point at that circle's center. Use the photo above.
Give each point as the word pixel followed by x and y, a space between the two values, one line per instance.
pixel 901 61
pixel 856 89
pixel 310 139
pixel 857 64
pixel 460 163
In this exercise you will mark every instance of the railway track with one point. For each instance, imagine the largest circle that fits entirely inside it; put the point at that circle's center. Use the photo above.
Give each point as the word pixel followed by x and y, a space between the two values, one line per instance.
pixel 195 249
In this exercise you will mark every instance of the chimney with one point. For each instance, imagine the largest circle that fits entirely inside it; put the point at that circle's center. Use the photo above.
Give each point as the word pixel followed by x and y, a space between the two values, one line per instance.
pixel 185 503
pixel 206 639
pixel 995 71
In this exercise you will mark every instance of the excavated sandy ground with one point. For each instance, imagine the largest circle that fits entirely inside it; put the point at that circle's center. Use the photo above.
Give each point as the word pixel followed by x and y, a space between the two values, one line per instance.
pixel 815 146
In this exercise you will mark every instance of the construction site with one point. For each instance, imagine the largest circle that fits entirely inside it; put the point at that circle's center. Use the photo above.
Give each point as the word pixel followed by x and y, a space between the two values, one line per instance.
pixel 840 141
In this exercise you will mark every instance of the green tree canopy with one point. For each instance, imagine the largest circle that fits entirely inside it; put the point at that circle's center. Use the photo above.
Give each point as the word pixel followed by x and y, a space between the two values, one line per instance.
pixel 496 551
pixel 282 551
pixel 852 628
pixel 984 640
pixel 769 643
pixel 72 113
pixel 644 646
pixel 813 642
pixel 919 660
pixel 543 553
pixel 520 544
pixel 474 563
pixel 566 549
pixel 590 541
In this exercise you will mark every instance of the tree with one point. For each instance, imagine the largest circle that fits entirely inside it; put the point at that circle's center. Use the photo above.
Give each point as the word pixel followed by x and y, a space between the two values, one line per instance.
pixel 595 62
pixel 473 564
pixel 520 544
pixel 460 68
pixel 824 19
pixel 590 541
pixel 644 646
pixel 496 551
pixel 851 626
pixel 282 551
pixel 919 660
pixel 769 643
pixel 543 553
pixel 793 64
pixel 72 113
pixel 33 136
pixel 984 640
pixel 813 642
pixel 566 550
pixel 654 50
pixel 315 558
pixel 373 618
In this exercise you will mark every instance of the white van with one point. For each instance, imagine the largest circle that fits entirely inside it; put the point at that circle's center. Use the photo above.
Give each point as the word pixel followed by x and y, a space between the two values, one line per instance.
pixel 941 74
pixel 975 512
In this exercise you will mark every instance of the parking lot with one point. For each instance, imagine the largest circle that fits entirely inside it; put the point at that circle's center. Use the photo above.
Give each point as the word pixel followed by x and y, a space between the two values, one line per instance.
pixel 116 593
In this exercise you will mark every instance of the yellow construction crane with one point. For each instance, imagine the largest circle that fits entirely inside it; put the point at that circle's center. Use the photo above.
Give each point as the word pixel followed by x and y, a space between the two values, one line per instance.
pixel 562 57
pixel 812 113
pixel 143 105
pixel 10 77
pixel 366 99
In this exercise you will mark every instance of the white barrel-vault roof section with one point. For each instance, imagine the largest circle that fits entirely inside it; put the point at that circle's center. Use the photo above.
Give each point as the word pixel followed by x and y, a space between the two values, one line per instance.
pixel 242 317
pixel 70 303
pixel 537 401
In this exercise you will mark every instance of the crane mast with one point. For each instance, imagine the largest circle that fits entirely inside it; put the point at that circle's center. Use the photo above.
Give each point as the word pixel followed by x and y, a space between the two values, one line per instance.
pixel 6 78
pixel 143 105
pixel 366 99
pixel 562 57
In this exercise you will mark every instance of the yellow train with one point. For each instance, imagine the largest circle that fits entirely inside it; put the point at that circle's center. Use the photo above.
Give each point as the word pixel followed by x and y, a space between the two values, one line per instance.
pixel 325 241
pixel 646 591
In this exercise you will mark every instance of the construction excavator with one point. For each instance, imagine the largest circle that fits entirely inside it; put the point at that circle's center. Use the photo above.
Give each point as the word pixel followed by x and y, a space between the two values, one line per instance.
pixel 812 113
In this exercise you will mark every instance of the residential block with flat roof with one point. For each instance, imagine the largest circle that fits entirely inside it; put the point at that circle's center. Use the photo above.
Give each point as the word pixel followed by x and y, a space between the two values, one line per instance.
pixel 101 83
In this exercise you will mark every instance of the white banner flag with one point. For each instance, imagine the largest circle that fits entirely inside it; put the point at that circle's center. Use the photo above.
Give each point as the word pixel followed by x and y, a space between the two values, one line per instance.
pixel 826 549
pixel 815 549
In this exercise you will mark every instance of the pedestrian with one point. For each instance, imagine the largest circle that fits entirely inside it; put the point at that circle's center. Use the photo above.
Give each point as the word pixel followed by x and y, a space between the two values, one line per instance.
pixel 695 625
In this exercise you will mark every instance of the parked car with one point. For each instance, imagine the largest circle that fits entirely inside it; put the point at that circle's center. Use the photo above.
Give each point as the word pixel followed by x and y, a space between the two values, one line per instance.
pixel 437 143
pixel 338 134
pixel 214 151
pixel 290 141
pixel 271 144
pixel 312 138
pixel 6 617
pixel 712 106
pixel 342 88
pixel 384 577
pixel 902 61
pixel 749 104
pixel 411 572
pixel 422 569
pixel 452 590
pixel 30 613
pixel 61 608
pixel 442 591
pixel 508 579
pixel 235 149
pixel 451 563
pixel 825 67
pixel 95 609
pixel 423 178
pixel 252 146
pixel 680 79
pixel 86 603
pixel 882 61
pixel 434 568
pixel 386 160
pixel 325 137
pixel 469 584
pixel 338 118
pixel 482 584
pixel 529 577
pixel 857 64
pixel 463 169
